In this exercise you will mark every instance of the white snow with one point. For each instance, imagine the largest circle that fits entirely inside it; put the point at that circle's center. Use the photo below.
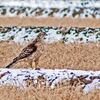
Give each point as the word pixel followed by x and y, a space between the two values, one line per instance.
pixel 21 35
pixel 50 3
pixel 17 77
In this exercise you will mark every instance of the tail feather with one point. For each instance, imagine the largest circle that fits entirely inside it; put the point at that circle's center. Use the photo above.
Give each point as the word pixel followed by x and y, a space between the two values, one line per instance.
pixel 9 65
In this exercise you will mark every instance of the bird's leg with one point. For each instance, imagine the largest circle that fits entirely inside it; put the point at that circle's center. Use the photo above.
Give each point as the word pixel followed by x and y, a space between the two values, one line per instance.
pixel 37 55
pixel 30 61
pixel 36 59
pixel 33 61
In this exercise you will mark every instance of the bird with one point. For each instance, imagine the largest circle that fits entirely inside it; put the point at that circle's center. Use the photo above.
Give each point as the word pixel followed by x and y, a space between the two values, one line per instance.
pixel 30 49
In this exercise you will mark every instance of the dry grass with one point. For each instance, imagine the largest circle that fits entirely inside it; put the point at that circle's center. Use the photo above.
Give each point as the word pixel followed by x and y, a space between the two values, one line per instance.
pixel 61 93
pixel 50 21
pixel 56 55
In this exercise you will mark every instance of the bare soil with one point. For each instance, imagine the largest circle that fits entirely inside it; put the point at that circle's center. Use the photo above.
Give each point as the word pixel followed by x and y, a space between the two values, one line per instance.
pixel 50 21
pixel 56 55
pixel 61 93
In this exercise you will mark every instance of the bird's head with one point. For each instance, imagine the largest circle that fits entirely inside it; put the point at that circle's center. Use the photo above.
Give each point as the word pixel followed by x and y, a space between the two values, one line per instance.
pixel 40 37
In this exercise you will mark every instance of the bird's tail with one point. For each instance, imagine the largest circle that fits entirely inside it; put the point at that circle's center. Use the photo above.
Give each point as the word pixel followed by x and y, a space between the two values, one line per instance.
pixel 9 65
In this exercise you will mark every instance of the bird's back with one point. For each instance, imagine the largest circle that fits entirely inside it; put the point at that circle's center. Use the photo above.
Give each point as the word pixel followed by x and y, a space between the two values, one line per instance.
pixel 27 51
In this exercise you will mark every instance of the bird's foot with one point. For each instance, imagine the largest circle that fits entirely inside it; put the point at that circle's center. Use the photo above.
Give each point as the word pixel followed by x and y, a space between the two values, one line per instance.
pixel 35 65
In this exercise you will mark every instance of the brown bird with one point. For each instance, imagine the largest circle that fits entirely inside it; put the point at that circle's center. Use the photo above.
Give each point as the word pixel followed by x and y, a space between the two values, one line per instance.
pixel 30 49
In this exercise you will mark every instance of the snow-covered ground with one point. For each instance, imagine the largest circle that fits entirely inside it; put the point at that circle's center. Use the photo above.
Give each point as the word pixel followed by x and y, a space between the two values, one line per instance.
pixel 89 80
pixel 53 8
pixel 23 35
pixel 51 3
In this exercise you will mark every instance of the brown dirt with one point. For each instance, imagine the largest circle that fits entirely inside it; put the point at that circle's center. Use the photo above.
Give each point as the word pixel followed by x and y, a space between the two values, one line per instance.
pixel 56 55
pixel 61 93
pixel 50 21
